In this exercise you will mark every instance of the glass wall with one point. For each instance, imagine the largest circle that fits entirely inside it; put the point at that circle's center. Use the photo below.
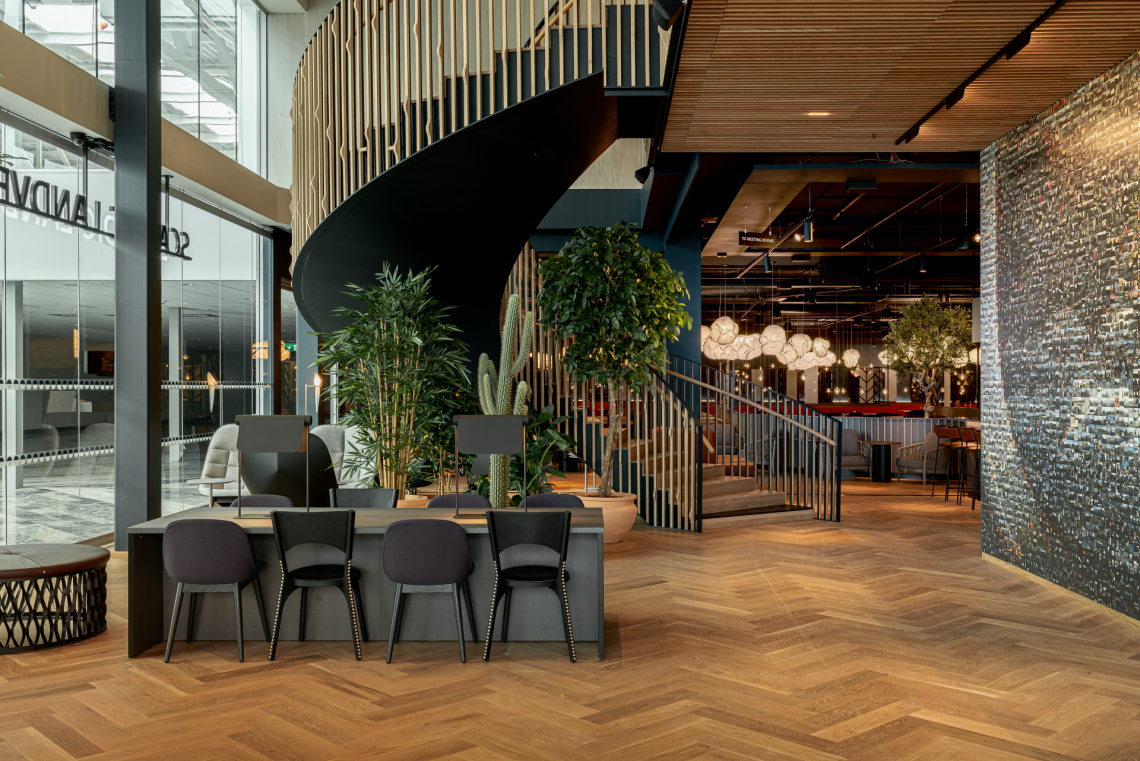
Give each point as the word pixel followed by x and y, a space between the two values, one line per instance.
pixel 58 355
pixel 213 52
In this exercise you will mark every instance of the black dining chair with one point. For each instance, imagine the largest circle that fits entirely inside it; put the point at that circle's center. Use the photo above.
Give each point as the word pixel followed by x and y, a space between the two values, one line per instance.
pixel 423 555
pixel 363 499
pixel 467 501
pixel 205 555
pixel 552 499
pixel 511 528
pixel 333 528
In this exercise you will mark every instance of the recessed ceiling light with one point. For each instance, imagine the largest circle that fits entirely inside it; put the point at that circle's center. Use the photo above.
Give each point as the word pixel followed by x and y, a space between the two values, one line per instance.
pixel 818 113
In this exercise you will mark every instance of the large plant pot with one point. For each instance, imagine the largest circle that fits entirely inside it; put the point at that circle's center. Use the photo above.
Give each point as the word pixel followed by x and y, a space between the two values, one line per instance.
pixel 619 510
pixel 413 500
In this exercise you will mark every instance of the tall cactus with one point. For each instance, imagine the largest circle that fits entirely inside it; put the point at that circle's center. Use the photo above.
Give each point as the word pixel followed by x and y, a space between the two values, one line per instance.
pixel 495 389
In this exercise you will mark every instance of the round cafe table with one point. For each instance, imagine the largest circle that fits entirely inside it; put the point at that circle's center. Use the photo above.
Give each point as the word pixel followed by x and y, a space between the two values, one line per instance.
pixel 881 461
pixel 210 482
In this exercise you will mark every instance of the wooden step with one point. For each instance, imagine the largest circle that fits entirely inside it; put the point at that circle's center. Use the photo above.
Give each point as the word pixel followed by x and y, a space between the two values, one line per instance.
pixel 734 521
pixel 711 471
pixel 746 503
pixel 719 487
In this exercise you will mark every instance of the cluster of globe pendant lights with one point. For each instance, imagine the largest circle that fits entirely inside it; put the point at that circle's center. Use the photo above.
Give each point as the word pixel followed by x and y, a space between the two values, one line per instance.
pixel 724 341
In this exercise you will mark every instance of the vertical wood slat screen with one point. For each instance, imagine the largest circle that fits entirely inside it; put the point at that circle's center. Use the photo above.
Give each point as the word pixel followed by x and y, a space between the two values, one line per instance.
pixel 382 79
pixel 656 456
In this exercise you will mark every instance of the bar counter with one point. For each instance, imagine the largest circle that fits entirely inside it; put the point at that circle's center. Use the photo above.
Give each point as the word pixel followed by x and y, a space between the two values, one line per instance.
pixel 534 615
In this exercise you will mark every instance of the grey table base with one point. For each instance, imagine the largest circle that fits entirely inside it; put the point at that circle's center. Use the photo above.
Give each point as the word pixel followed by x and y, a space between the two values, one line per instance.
pixel 535 614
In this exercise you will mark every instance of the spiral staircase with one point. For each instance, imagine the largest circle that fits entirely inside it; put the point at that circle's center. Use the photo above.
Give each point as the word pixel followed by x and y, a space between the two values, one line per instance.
pixel 441 133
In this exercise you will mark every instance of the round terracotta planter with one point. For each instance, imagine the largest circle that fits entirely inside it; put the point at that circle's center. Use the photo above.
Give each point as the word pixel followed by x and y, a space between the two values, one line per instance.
pixel 413 500
pixel 619 510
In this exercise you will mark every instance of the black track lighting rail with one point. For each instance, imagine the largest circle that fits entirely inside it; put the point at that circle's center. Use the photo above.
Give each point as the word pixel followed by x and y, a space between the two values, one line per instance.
pixel 1009 50
pixel 894 213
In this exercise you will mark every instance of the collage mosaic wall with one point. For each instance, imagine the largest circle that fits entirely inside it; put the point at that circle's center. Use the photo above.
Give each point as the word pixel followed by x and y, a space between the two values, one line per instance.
pixel 1061 342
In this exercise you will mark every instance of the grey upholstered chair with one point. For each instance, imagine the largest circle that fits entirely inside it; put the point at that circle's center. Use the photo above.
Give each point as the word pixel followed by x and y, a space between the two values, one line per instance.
pixel 467 501
pixel 553 499
pixel 855 455
pixel 363 499
pixel 921 458
pixel 424 555
pixel 221 461
pixel 205 555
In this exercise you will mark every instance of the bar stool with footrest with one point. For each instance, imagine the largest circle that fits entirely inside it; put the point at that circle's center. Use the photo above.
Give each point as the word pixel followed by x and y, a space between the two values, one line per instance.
pixel 363 499
pixel 971 453
pixel 205 555
pixel 424 555
pixel 950 444
pixel 512 528
pixel 333 528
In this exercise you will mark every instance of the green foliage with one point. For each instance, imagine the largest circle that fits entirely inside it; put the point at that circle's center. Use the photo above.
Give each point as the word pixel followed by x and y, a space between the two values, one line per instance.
pixel 542 438
pixel 400 371
pixel 619 302
pixel 927 340
pixel 495 388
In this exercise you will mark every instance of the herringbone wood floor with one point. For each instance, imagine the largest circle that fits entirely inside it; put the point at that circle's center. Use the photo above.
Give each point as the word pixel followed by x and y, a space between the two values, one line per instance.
pixel 884 637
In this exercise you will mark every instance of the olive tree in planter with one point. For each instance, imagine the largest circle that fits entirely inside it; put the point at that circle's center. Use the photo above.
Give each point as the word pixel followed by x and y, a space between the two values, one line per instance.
pixel 400 367
pixel 926 341
pixel 619 302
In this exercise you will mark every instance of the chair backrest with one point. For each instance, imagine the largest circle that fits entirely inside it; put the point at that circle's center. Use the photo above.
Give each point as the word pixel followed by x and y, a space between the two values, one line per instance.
pixel 333 528
pixel 333 438
pixel 467 500
pixel 967 434
pixel 262 500
pixel 221 455
pixel 205 551
pixel 552 499
pixel 850 441
pixel 284 473
pixel 363 499
pixel 425 551
pixel 930 443
pixel 509 528
pixel 947 432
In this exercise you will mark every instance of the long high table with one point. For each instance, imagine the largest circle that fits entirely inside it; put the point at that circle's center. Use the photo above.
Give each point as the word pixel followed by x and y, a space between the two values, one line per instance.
pixel 534 615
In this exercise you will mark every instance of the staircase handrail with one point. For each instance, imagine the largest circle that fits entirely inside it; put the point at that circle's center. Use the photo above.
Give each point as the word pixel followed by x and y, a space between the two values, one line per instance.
pixel 758 405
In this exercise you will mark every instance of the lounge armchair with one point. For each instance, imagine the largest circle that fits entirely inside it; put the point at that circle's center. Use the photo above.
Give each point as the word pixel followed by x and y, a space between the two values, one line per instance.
pixel 855 455
pixel 922 458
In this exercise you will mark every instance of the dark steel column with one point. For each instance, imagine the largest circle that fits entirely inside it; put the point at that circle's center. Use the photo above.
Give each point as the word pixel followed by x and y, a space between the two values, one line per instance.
pixel 138 321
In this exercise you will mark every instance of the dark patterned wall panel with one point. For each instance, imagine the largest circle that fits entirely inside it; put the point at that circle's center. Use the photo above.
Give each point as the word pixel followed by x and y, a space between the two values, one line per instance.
pixel 1061 339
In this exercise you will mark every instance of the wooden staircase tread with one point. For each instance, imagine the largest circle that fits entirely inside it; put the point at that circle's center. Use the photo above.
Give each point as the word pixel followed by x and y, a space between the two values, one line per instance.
pixel 746 501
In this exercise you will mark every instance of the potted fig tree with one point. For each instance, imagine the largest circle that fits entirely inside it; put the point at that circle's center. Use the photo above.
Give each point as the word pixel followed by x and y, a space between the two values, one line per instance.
pixel 618 300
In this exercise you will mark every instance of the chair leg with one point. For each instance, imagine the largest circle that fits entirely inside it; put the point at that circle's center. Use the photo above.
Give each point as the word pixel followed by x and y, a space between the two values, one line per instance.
pixel 261 606
pixel 491 621
pixel 281 596
pixel 567 626
pixel 459 623
pixel 506 613
pixel 193 605
pixel 360 611
pixel 301 618
pixel 394 630
pixel 173 622
pixel 354 614
pixel 237 620
pixel 470 611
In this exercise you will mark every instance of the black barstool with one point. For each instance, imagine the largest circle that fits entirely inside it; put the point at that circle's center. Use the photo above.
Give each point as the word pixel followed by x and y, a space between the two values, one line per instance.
pixel 333 528
pixel 206 555
pixel 511 528
pixel 950 443
pixel 424 555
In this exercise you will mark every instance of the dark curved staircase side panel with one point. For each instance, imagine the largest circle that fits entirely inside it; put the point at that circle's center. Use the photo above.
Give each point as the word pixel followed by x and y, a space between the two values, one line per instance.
pixel 466 204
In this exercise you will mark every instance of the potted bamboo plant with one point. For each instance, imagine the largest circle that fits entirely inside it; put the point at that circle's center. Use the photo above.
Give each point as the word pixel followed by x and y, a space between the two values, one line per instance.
pixel 400 369
pixel 618 300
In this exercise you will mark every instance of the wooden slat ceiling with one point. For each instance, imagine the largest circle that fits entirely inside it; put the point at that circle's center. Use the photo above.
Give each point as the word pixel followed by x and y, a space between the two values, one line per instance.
pixel 751 70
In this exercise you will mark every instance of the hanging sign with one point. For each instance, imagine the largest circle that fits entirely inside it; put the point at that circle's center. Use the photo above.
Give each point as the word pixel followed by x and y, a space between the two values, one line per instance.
pixel 757 239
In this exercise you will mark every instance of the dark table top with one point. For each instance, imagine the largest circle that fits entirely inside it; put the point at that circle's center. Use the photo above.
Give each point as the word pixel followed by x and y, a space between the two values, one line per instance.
pixel 587 520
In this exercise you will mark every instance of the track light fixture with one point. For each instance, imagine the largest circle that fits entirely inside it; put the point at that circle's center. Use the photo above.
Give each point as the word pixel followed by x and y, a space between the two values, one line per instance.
pixel 768 263
pixel 964 238
pixel 809 231
pixel 922 263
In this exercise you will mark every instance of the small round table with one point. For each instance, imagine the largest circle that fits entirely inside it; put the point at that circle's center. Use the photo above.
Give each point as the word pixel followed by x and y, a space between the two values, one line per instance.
pixel 211 482
pixel 51 595
pixel 881 460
